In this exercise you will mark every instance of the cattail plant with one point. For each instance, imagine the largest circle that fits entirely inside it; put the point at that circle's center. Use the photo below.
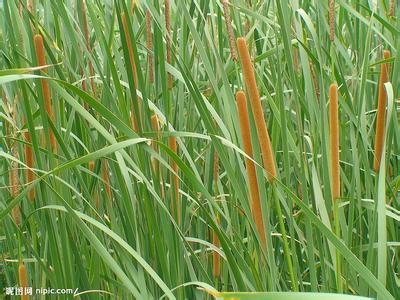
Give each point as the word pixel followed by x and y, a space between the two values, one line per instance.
pixel 149 44
pixel 334 140
pixel 29 163
pixel 381 111
pixel 250 167
pixel 40 56
pixel 261 126
pixel 23 280
pixel 168 38
pixel 331 20
pixel 133 68
pixel 174 178
pixel 229 28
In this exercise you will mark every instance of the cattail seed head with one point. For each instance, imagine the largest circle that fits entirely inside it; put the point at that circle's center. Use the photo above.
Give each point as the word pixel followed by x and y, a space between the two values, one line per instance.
pixel 106 178
pixel 331 20
pixel 334 140
pixel 261 126
pixel 23 280
pixel 250 167
pixel 391 9
pixel 149 44
pixel 168 39
pixel 381 111
pixel 29 163
pixel 229 28
pixel 216 257
pixel 174 177
pixel 40 56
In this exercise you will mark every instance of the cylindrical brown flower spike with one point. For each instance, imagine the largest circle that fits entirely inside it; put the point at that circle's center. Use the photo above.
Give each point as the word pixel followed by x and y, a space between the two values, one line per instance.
pixel 229 28
pixel 149 44
pixel 23 280
pixel 215 255
pixel 250 167
pixel 391 9
pixel 174 178
pixel 334 140
pixel 261 126
pixel 331 20
pixel 14 186
pixel 168 39
pixel 381 111
pixel 29 163
pixel 40 56
pixel 133 68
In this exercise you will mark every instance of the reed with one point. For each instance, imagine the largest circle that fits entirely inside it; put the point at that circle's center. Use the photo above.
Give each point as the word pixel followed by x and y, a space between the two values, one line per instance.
pixel 229 28
pixel 40 56
pixel 381 112
pixel 261 126
pixel 174 178
pixel 149 44
pixel 334 140
pixel 250 167
pixel 23 280
pixel 168 39
pixel 331 20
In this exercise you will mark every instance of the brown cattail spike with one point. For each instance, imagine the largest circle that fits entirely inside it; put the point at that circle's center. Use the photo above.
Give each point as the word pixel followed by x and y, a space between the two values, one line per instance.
pixel 174 177
pixel 331 20
pixel 133 68
pixel 381 111
pixel 168 39
pixel 29 163
pixel 229 28
pixel 250 167
pixel 40 56
pixel 261 126
pixel 149 44
pixel 106 178
pixel 23 280
pixel 391 9
pixel 334 140
pixel 216 257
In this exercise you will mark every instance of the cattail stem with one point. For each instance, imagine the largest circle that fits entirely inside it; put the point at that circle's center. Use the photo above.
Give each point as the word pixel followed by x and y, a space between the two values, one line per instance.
pixel 261 126
pixel 174 177
pixel 229 28
pixel 331 20
pixel 40 56
pixel 250 167
pixel 381 111
pixel 23 280
pixel 149 44
pixel 334 140
pixel 168 39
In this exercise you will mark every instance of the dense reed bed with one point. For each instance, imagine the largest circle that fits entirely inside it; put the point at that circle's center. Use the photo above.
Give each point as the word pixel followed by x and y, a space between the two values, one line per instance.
pixel 199 149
